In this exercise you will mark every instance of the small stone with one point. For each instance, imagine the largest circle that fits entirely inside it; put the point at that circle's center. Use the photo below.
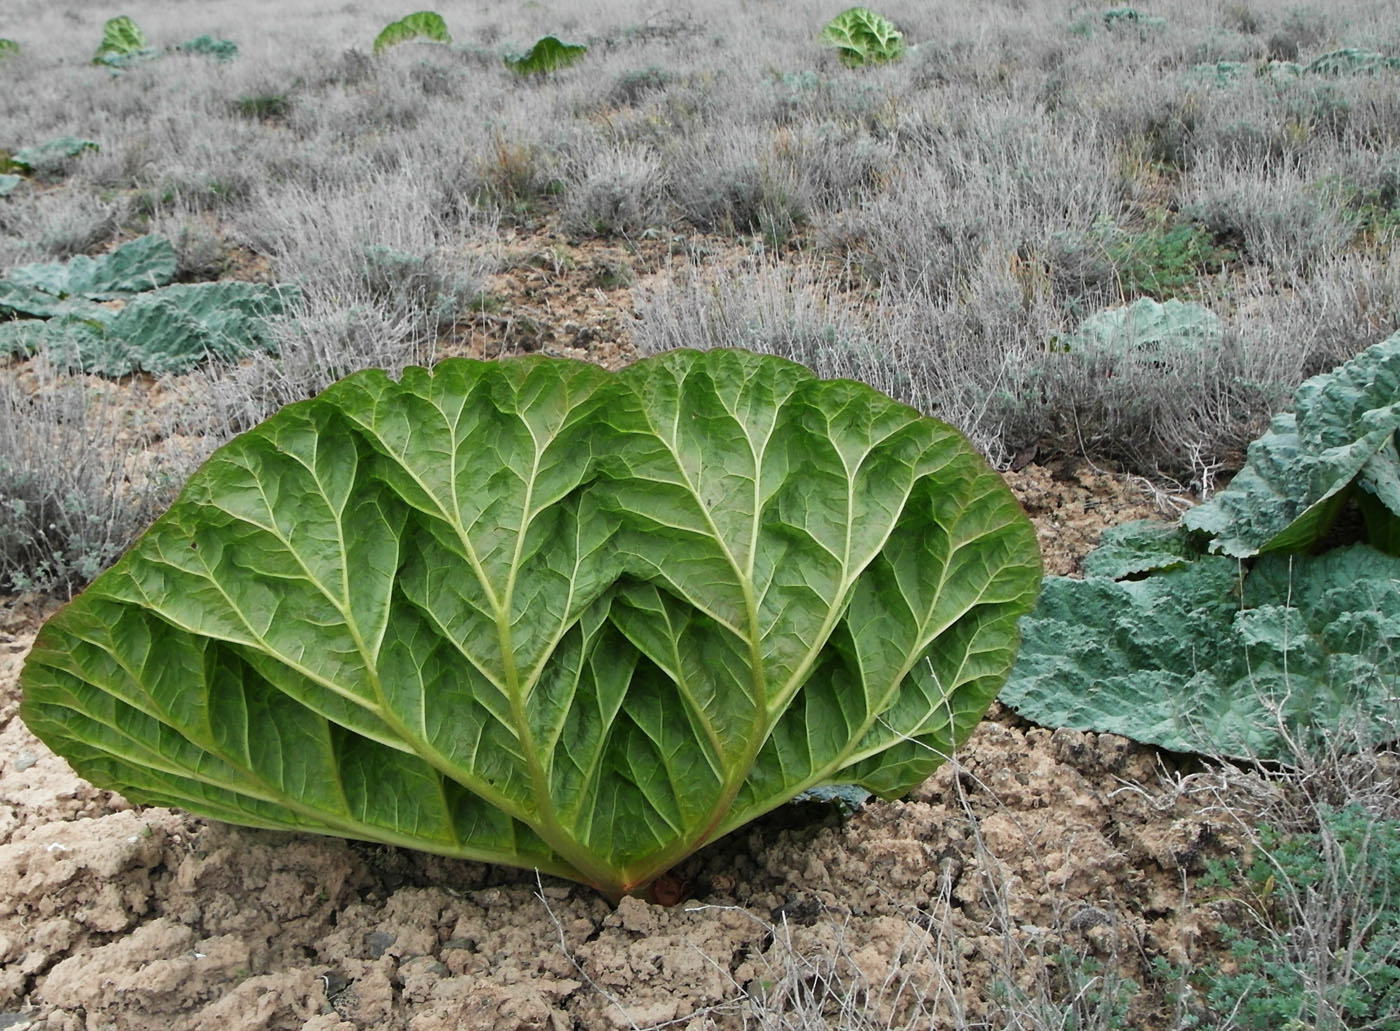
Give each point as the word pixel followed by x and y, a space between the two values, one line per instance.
pixel 23 761
pixel 378 941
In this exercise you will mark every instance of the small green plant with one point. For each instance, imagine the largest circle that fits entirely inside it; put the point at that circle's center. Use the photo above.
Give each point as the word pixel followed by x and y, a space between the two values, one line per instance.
pixel 123 43
pixel 1164 262
pixel 424 25
pixel 531 612
pixel 1319 942
pixel 863 37
pixel 549 54
pixel 8 48
pixel 264 107
pixel 210 46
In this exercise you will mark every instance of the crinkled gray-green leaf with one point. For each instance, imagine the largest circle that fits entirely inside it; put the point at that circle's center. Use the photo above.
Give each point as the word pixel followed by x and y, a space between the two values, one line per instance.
pixel 41 290
pixel 169 330
pixel 532 612
pixel 425 25
pixel 1195 660
pixel 1141 546
pixel 50 153
pixel 1339 437
pixel 1147 327
pixel 547 55
pixel 861 36
pixel 210 46
pixel 1351 61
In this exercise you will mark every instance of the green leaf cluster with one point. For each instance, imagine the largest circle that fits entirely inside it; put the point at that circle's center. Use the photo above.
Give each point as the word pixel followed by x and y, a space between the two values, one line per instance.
pixel 549 54
pixel 1272 643
pixel 210 46
pixel 8 48
pixel 123 43
pixel 861 37
pixel 535 613
pixel 58 308
pixel 1273 979
pixel 427 25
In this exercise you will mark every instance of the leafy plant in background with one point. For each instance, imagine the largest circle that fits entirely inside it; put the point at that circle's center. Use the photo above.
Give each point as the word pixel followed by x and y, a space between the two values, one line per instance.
pixel 1199 652
pixel 123 43
pixel 549 54
pixel 48 154
pixel 1351 61
pixel 8 48
pixel 56 309
pixel 1320 942
pixel 426 25
pixel 52 288
pixel 863 37
pixel 531 612
pixel 210 46
pixel 1146 327
pixel 1337 444
pixel 1164 262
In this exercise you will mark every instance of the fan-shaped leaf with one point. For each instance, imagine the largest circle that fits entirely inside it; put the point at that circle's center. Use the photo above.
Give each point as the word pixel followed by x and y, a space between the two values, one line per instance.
pixel 547 55
pixel 531 612
pixel 427 25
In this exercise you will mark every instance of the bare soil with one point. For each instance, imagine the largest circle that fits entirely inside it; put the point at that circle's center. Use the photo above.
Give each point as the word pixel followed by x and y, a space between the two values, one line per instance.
pixel 1035 845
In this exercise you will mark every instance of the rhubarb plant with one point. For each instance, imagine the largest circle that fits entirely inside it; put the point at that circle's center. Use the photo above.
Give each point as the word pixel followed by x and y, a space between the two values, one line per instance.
pixel 535 613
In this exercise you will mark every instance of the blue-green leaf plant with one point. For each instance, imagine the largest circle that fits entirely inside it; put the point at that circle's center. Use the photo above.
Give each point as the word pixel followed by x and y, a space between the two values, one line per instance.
pixel 50 153
pixel 424 25
pixel 1338 443
pixel 210 46
pixel 861 37
pixel 1282 637
pixel 535 613
pixel 549 54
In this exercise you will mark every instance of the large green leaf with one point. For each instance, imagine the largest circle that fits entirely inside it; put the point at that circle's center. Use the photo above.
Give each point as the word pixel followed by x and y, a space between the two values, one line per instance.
pixel 535 613
pixel 419 25
pixel 547 55
pixel 861 37
pixel 42 290
pixel 1339 437
pixel 1208 659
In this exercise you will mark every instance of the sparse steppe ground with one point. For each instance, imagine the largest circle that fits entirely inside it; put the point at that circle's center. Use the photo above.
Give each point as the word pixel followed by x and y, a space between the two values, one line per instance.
pixel 708 176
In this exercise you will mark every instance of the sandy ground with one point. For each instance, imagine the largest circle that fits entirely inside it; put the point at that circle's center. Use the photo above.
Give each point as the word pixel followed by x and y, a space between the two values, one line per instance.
pixel 955 903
